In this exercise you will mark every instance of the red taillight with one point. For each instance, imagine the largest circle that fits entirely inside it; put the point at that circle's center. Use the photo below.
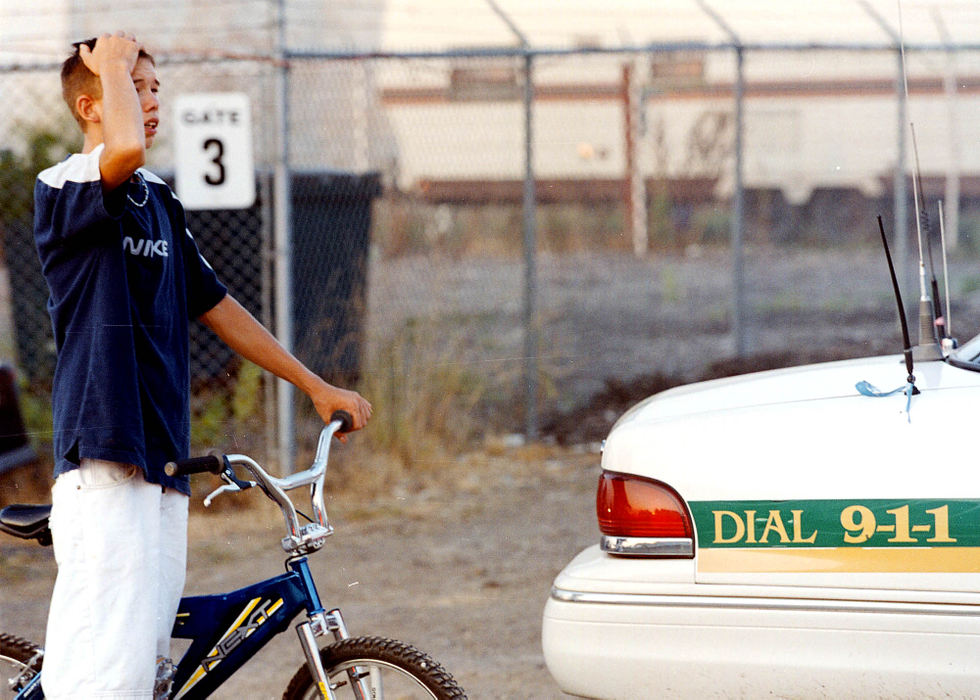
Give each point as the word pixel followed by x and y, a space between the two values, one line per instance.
pixel 631 506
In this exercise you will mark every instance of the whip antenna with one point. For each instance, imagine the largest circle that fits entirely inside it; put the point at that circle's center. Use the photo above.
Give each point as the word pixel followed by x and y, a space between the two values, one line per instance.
pixel 906 339
pixel 942 239
pixel 928 346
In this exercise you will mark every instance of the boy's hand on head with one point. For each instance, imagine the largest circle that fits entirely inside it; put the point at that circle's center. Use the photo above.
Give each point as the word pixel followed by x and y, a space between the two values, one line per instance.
pixel 118 48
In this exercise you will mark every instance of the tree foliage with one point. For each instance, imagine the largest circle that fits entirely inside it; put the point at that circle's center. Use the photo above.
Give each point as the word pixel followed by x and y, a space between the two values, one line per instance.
pixel 19 167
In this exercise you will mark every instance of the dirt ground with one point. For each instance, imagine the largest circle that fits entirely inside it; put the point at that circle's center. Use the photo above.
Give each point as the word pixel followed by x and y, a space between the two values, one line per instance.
pixel 460 563
pixel 461 569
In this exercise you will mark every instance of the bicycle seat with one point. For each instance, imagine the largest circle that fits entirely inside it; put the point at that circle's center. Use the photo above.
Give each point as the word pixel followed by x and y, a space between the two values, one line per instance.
pixel 27 522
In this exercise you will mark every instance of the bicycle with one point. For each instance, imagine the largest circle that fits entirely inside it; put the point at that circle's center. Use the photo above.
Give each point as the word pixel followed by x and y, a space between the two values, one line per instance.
pixel 226 630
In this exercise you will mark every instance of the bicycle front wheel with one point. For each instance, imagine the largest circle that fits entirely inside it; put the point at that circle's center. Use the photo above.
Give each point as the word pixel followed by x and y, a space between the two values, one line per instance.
pixel 20 660
pixel 377 668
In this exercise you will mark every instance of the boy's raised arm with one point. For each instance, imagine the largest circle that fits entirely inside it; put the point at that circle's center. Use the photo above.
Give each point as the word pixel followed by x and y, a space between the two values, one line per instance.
pixel 113 61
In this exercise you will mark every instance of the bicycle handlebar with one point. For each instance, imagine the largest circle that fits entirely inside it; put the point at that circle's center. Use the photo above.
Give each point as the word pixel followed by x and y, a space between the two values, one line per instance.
pixel 346 421
pixel 275 487
pixel 215 464
pixel 195 465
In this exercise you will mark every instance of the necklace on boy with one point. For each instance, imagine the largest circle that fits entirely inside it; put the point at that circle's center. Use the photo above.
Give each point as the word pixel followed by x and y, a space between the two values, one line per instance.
pixel 144 187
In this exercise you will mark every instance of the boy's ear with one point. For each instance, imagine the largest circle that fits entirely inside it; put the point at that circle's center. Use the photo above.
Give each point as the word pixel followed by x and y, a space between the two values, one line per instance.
pixel 88 108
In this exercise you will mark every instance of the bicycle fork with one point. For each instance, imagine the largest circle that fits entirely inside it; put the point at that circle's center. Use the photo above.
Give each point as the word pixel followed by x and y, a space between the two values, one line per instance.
pixel 32 690
pixel 319 625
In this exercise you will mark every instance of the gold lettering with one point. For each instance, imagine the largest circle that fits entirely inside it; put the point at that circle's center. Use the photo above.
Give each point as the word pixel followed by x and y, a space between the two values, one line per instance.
pixel 859 522
pixel 750 527
pixel 719 526
pixel 798 529
pixel 941 517
pixel 774 523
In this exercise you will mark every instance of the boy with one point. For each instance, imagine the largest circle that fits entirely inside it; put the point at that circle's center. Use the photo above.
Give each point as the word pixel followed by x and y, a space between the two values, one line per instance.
pixel 125 278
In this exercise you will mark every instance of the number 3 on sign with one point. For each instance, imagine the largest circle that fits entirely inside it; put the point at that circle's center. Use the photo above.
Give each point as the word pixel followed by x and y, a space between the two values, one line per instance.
pixel 214 163
pixel 219 148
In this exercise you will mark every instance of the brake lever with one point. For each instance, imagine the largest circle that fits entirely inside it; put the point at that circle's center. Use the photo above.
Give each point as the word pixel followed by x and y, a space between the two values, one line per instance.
pixel 227 488
pixel 232 484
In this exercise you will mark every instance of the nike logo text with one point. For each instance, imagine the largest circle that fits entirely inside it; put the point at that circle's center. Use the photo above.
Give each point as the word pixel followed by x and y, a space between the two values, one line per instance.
pixel 145 248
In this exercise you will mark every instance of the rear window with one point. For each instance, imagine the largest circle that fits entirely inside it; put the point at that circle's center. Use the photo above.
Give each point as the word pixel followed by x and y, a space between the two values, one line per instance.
pixel 967 356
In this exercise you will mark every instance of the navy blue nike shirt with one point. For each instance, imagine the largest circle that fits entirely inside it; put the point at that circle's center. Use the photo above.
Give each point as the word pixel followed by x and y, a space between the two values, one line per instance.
pixel 125 279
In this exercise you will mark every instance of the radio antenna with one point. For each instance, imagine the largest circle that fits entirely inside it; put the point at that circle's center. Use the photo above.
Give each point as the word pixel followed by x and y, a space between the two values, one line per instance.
pixel 926 231
pixel 928 345
pixel 942 238
pixel 906 340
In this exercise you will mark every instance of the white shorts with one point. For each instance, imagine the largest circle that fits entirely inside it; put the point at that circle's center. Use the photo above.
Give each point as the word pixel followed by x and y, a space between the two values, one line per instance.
pixel 121 548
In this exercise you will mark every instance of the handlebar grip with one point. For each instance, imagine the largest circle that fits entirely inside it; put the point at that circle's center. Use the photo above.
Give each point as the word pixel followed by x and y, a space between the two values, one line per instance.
pixel 195 465
pixel 346 421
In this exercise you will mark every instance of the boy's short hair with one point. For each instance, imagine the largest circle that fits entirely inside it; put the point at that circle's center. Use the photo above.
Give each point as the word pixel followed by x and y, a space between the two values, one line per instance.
pixel 77 79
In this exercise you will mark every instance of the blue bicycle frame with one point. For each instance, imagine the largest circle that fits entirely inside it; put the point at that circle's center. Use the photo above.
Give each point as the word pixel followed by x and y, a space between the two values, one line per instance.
pixel 229 629
pixel 226 630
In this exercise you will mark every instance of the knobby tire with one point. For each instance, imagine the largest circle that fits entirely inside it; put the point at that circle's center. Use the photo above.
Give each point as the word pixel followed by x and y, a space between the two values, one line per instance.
pixel 367 650
pixel 16 656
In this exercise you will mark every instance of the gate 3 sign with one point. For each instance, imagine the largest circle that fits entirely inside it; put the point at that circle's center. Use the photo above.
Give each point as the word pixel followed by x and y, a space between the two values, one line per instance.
pixel 214 163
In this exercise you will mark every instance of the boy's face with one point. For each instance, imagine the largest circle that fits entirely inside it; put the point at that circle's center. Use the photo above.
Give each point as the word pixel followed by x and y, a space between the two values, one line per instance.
pixel 147 86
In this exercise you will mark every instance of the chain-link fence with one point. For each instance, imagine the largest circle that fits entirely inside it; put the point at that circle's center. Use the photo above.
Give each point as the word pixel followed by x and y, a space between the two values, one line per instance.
pixel 331 225
pixel 410 269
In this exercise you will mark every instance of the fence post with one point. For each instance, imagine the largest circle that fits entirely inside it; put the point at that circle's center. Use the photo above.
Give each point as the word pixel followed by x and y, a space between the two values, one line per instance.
pixel 738 212
pixel 899 191
pixel 952 189
pixel 530 259
pixel 635 189
pixel 530 236
pixel 283 248
pixel 900 194
pixel 738 196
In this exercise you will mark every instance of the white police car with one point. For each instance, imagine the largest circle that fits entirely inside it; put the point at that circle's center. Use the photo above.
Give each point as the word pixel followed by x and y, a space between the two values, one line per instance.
pixel 788 533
